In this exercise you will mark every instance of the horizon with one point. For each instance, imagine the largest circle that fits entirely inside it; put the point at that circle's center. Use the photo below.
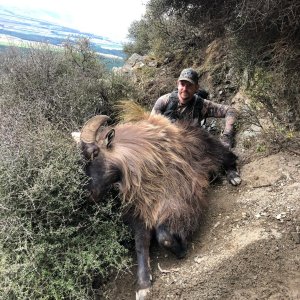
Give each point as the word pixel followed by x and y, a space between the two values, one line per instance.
pixel 103 19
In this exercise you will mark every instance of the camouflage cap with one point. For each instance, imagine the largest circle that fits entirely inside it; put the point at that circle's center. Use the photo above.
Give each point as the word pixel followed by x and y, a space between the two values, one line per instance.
pixel 189 75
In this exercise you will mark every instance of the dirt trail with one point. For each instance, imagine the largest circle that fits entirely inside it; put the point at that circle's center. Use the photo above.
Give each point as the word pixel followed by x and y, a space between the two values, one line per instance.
pixel 248 246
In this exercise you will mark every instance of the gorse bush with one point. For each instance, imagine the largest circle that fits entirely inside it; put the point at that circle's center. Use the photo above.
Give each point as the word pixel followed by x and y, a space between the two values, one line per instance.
pixel 54 244
pixel 67 86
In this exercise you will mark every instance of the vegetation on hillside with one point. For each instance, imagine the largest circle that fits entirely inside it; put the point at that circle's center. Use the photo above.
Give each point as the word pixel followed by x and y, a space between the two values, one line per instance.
pixel 54 245
pixel 261 40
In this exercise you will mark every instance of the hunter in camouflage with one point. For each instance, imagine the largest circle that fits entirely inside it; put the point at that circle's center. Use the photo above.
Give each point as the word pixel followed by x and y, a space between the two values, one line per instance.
pixel 185 103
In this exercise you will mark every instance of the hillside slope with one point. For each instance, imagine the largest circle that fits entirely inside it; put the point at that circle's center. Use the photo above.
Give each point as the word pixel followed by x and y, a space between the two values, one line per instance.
pixel 249 243
pixel 248 246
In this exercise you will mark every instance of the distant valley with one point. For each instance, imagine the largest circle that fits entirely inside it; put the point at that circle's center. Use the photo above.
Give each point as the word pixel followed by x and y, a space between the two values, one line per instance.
pixel 16 28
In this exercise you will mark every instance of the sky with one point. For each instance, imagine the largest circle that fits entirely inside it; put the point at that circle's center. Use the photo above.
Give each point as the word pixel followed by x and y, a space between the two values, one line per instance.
pixel 107 18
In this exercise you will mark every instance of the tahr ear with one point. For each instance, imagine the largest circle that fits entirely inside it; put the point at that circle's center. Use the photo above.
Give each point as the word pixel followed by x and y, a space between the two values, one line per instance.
pixel 109 138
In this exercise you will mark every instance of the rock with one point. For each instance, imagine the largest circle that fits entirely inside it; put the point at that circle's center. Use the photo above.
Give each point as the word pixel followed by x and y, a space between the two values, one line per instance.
pixel 253 131
pixel 240 100
pixel 296 237
pixel 245 78
pixel 133 60
pixel 281 216
pixel 245 215
pixel 230 75
pixel 152 64
pixel 135 63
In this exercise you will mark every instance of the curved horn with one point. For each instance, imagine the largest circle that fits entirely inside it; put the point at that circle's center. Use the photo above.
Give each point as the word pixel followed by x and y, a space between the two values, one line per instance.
pixel 89 130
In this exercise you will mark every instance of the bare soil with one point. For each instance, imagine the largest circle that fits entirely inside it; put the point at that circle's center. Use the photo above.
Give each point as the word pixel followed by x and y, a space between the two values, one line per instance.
pixel 248 246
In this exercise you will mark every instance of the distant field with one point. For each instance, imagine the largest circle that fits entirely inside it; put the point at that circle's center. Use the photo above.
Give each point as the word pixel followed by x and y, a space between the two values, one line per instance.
pixel 8 41
pixel 5 43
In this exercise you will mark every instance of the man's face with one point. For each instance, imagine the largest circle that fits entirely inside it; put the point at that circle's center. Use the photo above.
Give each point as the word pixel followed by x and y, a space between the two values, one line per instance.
pixel 186 90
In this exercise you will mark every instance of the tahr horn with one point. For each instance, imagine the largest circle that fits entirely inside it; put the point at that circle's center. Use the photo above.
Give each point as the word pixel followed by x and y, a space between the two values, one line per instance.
pixel 90 128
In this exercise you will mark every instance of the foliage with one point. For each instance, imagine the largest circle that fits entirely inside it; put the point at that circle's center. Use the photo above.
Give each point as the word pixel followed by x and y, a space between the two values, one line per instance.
pixel 160 33
pixel 54 244
pixel 261 39
pixel 137 32
pixel 269 89
pixel 68 87
pixel 178 26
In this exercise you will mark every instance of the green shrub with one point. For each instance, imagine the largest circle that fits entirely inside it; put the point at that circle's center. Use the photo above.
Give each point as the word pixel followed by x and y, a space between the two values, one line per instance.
pixel 68 86
pixel 53 243
pixel 139 33
pixel 257 35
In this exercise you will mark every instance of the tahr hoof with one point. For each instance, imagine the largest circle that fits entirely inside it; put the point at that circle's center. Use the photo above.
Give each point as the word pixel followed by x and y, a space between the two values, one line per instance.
pixel 233 177
pixel 141 294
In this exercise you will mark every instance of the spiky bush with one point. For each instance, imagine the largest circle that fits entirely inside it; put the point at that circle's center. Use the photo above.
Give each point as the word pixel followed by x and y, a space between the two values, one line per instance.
pixel 54 244
pixel 68 86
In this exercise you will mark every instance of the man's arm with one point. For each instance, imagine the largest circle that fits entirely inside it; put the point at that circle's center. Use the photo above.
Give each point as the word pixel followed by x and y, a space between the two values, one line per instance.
pixel 160 105
pixel 215 110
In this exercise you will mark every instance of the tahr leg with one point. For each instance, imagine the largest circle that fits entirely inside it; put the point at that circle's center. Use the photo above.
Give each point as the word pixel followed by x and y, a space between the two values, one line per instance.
pixel 142 244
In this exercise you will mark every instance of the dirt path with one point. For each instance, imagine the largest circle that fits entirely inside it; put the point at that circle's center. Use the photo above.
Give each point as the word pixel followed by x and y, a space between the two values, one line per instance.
pixel 248 246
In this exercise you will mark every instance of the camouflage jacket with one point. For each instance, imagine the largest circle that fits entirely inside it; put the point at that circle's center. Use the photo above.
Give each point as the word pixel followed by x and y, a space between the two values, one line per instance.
pixel 208 109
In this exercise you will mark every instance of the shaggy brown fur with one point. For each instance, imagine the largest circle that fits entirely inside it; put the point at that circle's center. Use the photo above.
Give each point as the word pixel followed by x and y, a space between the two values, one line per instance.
pixel 165 170
pixel 162 171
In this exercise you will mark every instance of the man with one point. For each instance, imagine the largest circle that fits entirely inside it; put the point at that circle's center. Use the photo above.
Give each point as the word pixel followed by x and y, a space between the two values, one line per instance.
pixel 185 104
